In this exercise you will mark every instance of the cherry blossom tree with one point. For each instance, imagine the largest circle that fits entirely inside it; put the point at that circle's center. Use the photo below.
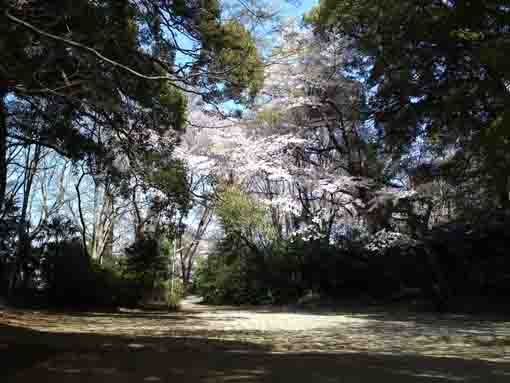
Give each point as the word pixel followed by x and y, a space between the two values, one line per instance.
pixel 307 151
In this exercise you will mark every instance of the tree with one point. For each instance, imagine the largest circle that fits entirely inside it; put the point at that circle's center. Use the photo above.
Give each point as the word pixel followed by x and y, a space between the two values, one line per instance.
pixel 104 84
pixel 309 150
pixel 72 71
pixel 189 245
pixel 439 76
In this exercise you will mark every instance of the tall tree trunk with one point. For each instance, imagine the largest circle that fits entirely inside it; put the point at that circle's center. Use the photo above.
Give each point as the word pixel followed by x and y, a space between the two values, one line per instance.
pixel 3 175
pixel 82 218
pixel 3 148
pixel 23 245
pixel 106 250
pixel 97 219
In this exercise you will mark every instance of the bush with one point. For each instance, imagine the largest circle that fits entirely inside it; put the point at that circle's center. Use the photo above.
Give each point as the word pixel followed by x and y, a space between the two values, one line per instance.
pixel 174 294
pixel 70 278
pixel 236 274
pixel 146 264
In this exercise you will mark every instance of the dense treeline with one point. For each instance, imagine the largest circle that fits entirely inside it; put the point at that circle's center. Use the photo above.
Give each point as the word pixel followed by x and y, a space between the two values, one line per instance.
pixel 361 153
pixel 457 267
pixel 393 181
pixel 93 100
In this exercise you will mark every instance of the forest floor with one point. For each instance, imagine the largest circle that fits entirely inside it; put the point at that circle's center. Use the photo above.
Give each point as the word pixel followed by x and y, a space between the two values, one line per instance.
pixel 227 344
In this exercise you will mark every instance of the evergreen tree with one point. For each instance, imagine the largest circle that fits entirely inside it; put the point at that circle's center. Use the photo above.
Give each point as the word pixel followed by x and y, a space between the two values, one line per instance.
pixel 440 76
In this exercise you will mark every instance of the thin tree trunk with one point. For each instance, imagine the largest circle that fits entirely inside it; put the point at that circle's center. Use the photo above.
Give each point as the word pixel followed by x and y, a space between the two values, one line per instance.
pixel 23 234
pixel 82 219
pixel 11 274
pixel 3 148
pixel 107 223
pixel 23 245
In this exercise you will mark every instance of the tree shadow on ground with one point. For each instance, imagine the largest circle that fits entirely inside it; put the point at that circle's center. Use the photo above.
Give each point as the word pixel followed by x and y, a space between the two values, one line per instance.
pixel 381 312
pixel 156 315
pixel 363 331
pixel 29 355
pixel 373 310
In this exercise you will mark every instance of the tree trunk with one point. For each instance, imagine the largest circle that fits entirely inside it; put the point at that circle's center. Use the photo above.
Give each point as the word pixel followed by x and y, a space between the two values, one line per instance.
pixel 82 219
pixel 11 270
pixel 24 241
pixel 3 148
pixel 107 250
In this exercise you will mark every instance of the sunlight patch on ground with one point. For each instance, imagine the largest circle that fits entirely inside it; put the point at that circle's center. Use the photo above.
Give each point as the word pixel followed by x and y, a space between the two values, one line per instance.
pixel 286 332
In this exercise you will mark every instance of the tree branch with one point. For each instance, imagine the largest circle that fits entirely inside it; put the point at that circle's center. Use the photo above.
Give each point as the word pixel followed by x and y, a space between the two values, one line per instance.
pixel 94 52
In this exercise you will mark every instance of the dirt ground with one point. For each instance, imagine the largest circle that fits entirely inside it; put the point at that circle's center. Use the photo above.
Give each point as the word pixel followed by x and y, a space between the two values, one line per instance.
pixel 225 344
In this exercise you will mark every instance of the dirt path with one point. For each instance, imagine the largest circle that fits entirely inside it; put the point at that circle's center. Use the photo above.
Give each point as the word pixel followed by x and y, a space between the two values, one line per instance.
pixel 213 344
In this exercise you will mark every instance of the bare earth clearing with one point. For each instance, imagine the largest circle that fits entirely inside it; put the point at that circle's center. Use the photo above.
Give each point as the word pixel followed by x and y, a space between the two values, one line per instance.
pixel 224 344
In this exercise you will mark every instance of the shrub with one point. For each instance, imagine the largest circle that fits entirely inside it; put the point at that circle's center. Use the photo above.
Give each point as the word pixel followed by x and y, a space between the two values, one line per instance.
pixel 174 293
pixel 70 278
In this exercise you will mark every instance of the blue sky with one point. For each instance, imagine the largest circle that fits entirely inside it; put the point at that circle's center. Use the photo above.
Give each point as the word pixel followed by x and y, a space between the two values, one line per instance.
pixel 299 7
pixel 286 8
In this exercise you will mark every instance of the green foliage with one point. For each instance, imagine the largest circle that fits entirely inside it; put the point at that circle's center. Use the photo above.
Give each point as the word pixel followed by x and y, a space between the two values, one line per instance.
pixel 250 265
pixel 237 274
pixel 270 116
pixel 174 293
pixel 145 263
pixel 228 47
pixel 224 277
pixel 441 78
pixel 172 105
pixel 108 28
pixel 292 271
pixel 169 177
pixel 238 55
pixel 70 278
pixel 8 228
pixel 239 213
pixel 65 87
